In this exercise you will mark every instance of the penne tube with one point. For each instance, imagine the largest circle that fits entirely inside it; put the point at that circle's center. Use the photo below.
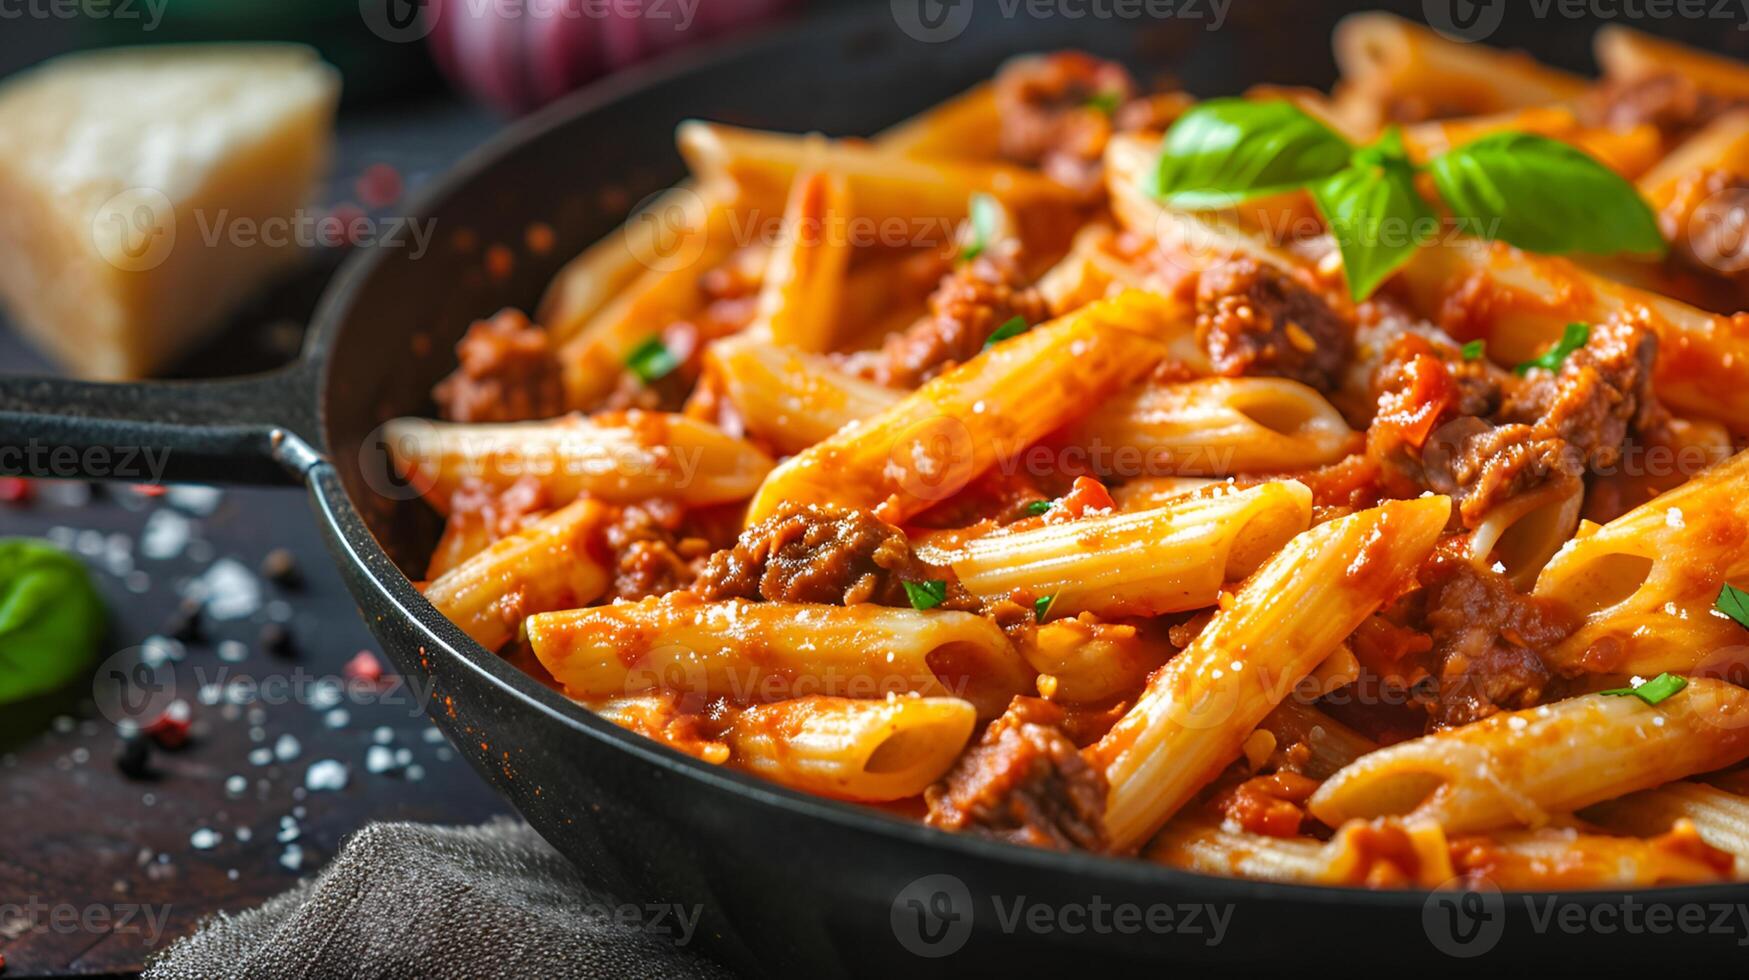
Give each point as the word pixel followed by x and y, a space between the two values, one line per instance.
pixel 1198 710
pixel 798 302
pixel 1645 583
pixel 619 457
pixel 1720 818
pixel 549 565
pixel 1144 563
pixel 867 751
pixel 1409 72
pixel 1629 150
pixel 1151 492
pixel 759 652
pixel 1311 742
pixel 965 127
pixel 932 443
pixel 1722 147
pixel 1203 845
pixel 1520 303
pixel 658 716
pixel 1561 858
pixel 1519 768
pixel 883 185
pixel 1522 533
pixel 1088 661
pixel 790 399
pixel 1219 426
pixel 1629 55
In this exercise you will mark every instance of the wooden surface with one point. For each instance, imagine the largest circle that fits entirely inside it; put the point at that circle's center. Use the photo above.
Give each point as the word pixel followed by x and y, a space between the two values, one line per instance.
pixel 97 869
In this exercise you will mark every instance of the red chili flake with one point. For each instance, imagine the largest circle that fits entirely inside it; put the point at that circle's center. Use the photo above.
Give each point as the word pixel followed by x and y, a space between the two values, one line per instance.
pixel 364 666
pixel 14 490
pixel 379 186
pixel 170 729
pixel 149 489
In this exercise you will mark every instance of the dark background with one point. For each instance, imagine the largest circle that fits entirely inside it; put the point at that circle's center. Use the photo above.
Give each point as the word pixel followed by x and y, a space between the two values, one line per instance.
pixel 74 832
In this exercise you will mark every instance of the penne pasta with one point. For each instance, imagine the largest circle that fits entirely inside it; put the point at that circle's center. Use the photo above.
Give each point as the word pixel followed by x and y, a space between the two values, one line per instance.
pixel 928 446
pixel 1718 817
pixel 1311 742
pixel 1083 661
pixel 1520 768
pixel 804 277
pixel 1143 563
pixel 622 457
pixel 869 751
pixel 1629 55
pixel 1288 617
pixel 759 652
pixel 791 399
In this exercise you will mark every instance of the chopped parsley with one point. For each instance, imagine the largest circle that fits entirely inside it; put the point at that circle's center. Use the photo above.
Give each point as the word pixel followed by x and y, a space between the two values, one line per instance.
pixel 1106 102
pixel 984 212
pixel 926 595
pixel 1038 508
pixel 1474 350
pixel 652 361
pixel 1041 607
pixel 1013 328
pixel 1653 691
pixel 1574 338
pixel 1734 602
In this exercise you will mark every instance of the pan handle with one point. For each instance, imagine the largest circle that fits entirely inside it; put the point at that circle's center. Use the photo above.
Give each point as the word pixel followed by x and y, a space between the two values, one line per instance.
pixel 257 429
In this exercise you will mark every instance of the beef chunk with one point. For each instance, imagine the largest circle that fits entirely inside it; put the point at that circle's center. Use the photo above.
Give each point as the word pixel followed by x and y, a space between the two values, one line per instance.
pixel 1482 465
pixel 1024 782
pixel 508 373
pixel 652 554
pixel 1058 111
pixel 968 306
pixel 1673 103
pixel 1602 390
pixel 1487 641
pixel 1252 318
pixel 831 555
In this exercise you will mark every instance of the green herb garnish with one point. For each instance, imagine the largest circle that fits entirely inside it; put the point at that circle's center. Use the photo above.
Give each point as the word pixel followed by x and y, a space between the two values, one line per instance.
pixel 1653 691
pixel 1734 602
pixel 1573 338
pixel 1474 350
pixel 1038 508
pixel 652 361
pixel 984 212
pixel 1013 328
pixel 1041 607
pixel 1106 102
pixel 926 595
pixel 51 619
pixel 1530 191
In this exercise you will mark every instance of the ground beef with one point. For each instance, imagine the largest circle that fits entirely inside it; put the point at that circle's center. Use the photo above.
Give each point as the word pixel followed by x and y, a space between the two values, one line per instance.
pixel 1487 640
pixel 1602 391
pixel 1482 465
pixel 830 555
pixel 508 373
pixel 1673 103
pixel 1024 782
pixel 653 555
pixel 966 308
pixel 1058 111
pixel 1252 318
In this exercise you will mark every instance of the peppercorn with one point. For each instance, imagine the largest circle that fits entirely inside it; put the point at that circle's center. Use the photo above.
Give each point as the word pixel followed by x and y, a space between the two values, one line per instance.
pixel 281 568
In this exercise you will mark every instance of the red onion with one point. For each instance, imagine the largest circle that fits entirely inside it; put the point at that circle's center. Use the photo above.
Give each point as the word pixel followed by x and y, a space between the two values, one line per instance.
pixel 519 54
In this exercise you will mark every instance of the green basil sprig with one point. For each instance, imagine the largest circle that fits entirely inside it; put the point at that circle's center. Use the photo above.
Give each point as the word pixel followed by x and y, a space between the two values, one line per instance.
pixel 51 620
pixel 1530 191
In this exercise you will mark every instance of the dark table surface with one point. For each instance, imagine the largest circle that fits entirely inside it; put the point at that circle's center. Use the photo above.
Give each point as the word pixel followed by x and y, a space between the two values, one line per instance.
pixel 97 869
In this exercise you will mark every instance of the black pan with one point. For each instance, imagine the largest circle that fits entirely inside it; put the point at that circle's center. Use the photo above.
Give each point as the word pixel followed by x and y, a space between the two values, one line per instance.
pixel 784 882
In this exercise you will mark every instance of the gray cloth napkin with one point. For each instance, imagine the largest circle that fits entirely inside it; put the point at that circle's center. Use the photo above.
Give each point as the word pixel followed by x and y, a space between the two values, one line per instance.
pixel 411 901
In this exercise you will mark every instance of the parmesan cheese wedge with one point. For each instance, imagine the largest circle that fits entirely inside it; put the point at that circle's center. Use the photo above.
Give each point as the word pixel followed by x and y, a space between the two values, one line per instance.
pixel 139 187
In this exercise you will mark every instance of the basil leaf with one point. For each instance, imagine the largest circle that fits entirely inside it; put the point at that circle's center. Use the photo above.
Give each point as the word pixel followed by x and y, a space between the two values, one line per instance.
pixel 1657 689
pixel 1573 338
pixel 1377 218
pixel 985 213
pixel 1041 607
pixel 1013 328
pixel 51 620
pixel 1474 350
pixel 1225 151
pixel 1734 602
pixel 1545 196
pixel 926 595
pixel 652 361
pixel 1038 508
